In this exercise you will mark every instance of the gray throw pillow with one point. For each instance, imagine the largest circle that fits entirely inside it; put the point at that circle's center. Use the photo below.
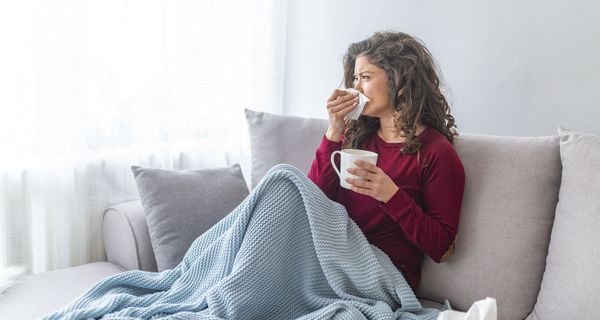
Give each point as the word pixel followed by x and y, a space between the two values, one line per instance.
pixel 571 284
pixel 181 205
pixel 278 139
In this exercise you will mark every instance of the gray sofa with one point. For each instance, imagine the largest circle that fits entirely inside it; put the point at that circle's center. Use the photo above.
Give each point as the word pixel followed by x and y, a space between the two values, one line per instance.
pixel 517 242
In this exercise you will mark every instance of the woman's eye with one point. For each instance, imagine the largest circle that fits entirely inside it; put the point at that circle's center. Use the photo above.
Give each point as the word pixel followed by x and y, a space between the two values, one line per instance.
pixel 355 79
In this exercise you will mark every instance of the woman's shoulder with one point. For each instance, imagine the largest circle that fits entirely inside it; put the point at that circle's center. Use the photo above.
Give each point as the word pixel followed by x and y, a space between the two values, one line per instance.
pixel 436 148
pixel 434 141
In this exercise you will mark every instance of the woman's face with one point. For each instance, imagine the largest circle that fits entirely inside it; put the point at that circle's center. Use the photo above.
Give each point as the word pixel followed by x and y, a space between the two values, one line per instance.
pixel 372 82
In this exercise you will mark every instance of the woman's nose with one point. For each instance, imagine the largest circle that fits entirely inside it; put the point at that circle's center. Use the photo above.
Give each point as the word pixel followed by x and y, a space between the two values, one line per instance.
pixel 358 86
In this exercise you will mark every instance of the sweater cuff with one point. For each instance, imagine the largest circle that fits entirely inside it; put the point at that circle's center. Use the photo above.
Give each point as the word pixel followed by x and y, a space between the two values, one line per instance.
pixel 330 146
pixel 329 141
pixel 398 205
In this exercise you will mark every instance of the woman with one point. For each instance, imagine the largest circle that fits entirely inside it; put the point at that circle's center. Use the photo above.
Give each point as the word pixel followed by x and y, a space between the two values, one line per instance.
pixel 276 256
pixel 409 204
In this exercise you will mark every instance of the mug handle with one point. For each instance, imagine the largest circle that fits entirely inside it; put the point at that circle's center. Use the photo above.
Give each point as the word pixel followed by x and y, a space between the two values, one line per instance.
pixel 333 162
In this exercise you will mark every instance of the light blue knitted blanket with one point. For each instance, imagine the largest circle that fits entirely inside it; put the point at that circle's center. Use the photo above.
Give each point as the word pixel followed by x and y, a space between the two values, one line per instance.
pixel 286 252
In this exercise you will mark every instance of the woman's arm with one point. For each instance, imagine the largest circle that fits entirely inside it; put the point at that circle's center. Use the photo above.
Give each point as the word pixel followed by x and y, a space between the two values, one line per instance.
pixel 321 171
pixel 339 103
pixel 432 228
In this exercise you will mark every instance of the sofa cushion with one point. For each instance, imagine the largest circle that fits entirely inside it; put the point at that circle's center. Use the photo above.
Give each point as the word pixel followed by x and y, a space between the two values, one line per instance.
pixel 278 139
pixel 36 295
pixel 181 205
pixel 432 304
pixel 571 284
pixel 510 196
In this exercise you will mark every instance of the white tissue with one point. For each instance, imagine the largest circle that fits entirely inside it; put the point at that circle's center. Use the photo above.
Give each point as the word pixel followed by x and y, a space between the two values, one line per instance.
pixel 362 101
pixel 485 309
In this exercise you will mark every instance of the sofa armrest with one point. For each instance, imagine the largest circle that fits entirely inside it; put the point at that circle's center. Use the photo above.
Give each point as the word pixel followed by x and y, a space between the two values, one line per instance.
pixel 126 237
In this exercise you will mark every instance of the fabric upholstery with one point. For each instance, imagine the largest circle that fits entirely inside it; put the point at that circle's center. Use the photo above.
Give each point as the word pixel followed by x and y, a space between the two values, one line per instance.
pixel 278 139
pixel 126 237
pixel 181 205
pixel 36 295
pixel 511 193
pixel 431 304
pixel 571 285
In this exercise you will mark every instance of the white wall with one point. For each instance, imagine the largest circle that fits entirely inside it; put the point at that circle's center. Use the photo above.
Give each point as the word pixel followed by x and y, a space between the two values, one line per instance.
pixel 513 67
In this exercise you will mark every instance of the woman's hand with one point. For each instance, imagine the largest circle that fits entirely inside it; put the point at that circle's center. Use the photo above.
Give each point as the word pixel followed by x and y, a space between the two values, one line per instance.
pixel 339 104
pixel 376 183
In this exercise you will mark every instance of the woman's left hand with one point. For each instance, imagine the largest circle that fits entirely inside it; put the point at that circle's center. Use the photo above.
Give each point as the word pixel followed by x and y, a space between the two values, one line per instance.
pixel 376 183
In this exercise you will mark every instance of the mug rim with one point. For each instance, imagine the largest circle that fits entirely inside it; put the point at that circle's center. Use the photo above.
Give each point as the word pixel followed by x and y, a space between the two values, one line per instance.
pixel 358 152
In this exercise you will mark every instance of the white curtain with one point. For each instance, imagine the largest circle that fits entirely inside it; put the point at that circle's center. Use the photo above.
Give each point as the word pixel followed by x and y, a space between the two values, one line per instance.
pixel 89 88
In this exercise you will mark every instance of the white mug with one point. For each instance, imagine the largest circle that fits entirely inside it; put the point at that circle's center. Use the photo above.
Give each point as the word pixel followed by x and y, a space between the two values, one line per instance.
pixel 348 156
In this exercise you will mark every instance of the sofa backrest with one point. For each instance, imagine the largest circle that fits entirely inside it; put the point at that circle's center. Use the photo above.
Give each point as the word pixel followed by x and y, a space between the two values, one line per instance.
pixel 278 139
pixel 511 193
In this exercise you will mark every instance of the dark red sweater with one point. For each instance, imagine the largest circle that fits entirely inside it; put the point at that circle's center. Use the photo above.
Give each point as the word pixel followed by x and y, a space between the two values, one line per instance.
pixel 422 217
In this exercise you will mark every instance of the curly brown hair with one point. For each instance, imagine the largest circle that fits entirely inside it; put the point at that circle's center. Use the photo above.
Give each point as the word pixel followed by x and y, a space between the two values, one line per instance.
pixel 414 89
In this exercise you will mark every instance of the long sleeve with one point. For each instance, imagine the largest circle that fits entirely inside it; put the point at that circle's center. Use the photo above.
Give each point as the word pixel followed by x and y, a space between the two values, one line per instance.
pixel 321 171
pixel 433 227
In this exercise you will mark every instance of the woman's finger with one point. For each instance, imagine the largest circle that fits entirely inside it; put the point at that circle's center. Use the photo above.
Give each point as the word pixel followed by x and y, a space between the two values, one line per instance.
pixel 343 106
pixel 362 173
pixel 336 94
pixel 332 96
pixel 341 99
pixel 340 108
pixel 367 165
pixel 365 184
pixel 364 191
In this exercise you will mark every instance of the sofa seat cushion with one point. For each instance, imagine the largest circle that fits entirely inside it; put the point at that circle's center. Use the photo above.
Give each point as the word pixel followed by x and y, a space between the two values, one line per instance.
pixel 426 303
pixel 36 295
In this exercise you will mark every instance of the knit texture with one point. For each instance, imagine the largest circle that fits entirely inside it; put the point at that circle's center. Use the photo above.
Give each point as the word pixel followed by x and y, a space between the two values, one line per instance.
pixel 286 252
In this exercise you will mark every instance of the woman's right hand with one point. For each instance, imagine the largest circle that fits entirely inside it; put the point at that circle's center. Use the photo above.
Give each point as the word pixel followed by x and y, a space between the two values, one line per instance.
pixel 339 104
